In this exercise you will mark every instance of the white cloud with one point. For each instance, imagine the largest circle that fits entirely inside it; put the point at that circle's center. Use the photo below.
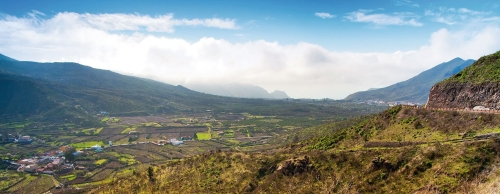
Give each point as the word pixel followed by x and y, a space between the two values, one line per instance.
pixel 302 70
pixel 123 22
pixel 324 15
pixel 399 19
pixel 452 16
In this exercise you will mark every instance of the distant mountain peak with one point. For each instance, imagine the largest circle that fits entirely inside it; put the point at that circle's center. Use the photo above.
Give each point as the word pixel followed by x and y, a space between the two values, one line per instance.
pixel 5 58
pixel 417 88
pixel 237 90
pixel 279 94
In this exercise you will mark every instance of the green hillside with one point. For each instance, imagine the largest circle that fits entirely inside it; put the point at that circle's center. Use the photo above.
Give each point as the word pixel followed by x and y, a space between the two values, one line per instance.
pixel 83 91
pixel 400 150
pixel 415 89
pixel 484 70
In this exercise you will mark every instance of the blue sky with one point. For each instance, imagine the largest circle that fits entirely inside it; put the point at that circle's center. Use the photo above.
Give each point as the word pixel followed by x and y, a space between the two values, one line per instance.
pixel 313 49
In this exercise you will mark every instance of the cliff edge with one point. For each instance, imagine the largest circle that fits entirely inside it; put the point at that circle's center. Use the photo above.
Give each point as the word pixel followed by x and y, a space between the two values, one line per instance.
pixel 476 85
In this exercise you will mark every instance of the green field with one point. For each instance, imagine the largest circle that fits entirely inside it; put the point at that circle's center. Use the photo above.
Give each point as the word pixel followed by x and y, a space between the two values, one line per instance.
pixel 203 136
pixel 100 162
pixel 229 134
pixel 70 177
pixel 86 144
pixel 127 130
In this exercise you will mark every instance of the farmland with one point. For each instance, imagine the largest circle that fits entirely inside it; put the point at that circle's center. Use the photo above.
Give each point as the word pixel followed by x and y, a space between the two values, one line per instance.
pixel 132 149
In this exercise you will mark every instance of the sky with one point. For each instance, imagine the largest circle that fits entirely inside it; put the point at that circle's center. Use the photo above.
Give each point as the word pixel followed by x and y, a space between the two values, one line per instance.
pixel 309 49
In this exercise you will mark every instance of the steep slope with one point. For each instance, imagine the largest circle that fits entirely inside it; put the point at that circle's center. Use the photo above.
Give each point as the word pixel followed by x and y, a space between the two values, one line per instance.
pixel 400 150
pixel 21 96
pixel 236 90
pixel 476 85
pixel 417 88
pixel 5 58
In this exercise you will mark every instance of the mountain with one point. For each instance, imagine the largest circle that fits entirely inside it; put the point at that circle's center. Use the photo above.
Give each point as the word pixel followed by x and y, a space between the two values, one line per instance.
pixel 279 94
pixel 55 92
pixel 237 90
pixel 417 88
pixel 476 85
pixel 5 58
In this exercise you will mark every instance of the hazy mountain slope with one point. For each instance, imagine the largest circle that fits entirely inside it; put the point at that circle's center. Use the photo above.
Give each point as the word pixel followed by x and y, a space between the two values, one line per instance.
pixel 236 90
pixel 279 94
pixel 5 58
pixel 417 88
pixel 82 91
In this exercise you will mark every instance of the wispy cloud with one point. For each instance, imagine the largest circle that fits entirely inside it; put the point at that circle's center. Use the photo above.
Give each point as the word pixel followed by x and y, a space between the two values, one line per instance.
pixel 324 15
pixel 452 16
pixel 404 18
pixel 127 22
pixel 406 3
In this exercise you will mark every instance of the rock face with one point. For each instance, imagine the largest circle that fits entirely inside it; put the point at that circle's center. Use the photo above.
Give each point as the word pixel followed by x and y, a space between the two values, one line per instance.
pixel 476 85
pixel 295 166
pixel 464 95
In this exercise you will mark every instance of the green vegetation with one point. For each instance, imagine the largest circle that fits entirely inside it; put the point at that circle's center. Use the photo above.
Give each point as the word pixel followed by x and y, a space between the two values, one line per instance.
pixel 485 70
pixel 86 144
pixel 128 130
pixel 68 177
pixel 404 150
pixel 100 162
pixel 203 136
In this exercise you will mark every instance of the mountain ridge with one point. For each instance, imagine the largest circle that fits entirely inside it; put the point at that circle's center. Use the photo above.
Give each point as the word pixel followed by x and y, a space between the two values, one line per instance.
pixel 80 92
pixel 237 90
pixel 415 89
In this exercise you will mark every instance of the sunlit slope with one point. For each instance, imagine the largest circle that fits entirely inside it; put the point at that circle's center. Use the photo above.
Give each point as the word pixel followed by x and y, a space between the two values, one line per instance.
pixel 399 150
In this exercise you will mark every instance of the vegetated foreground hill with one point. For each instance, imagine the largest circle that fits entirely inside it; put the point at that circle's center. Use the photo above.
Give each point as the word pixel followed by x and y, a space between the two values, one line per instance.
pixel 476 85
pixel 417 88
pixel 55 91
pixel 400 150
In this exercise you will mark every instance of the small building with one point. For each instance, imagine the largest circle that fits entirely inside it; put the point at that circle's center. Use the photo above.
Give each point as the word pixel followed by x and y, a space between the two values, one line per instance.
pixel 96 148
pixel 31 168
pixel 25 140
pixel 480 108
pixel 176 142
pixel 64 148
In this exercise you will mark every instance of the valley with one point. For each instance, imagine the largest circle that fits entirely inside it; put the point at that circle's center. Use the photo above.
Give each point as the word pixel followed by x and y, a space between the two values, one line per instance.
pixel 129 144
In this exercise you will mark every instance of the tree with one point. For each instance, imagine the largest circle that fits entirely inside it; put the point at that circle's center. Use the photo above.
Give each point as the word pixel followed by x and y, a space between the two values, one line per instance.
pixel 150 174
pixel 69 154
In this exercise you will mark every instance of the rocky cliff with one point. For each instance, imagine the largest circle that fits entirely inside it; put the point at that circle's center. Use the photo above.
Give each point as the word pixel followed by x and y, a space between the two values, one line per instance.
pixel 465 95
pixel 476 85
